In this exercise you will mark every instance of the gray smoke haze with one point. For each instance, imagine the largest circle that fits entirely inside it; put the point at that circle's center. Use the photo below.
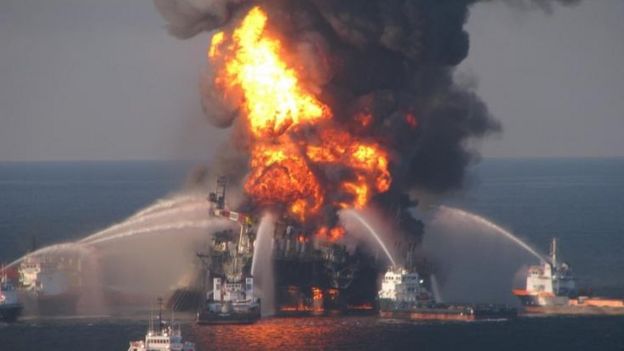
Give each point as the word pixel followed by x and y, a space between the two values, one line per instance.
pixel 187 18
pixel 474 264
pixel 391 59
pixel 545 5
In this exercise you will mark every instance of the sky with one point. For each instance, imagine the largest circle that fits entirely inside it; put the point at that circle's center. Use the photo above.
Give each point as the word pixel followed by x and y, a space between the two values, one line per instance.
pixel 102 80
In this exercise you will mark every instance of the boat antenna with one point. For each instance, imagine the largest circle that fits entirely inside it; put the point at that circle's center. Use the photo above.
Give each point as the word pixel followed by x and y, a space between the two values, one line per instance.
pixel 553 251
pixel 160 303
pixel 33 244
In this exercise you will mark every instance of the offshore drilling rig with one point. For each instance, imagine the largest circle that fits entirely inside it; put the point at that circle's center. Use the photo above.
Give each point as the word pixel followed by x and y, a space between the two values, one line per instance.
pixel 315 273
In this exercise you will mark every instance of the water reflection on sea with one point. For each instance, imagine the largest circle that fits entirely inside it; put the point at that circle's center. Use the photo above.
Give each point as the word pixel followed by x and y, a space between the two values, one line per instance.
pixel 371 333
pixel 326 333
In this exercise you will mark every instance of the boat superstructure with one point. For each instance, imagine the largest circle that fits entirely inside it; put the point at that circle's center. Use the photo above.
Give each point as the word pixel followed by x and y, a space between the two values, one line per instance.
pixel 401 286
pixel 227 263
pixel 549 283
pixel 52 282
pixel 232 298
pixel 162 337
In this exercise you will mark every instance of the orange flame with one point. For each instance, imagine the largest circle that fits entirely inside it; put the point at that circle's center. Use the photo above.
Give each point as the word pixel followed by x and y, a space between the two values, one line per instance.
pixel 334 234
pixel 273 97
pixel 279 174
pixel 215 46
pixel 411 120
pixel 287 170
pixel 369 163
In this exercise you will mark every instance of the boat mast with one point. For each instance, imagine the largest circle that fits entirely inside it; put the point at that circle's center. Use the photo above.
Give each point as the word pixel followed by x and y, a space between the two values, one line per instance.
pixel 151 320
pixel 160 304
pixel 553 252
pixel 218 198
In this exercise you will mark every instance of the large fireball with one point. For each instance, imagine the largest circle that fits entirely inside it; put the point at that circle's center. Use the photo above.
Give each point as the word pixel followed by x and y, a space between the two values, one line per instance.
pixel 289 170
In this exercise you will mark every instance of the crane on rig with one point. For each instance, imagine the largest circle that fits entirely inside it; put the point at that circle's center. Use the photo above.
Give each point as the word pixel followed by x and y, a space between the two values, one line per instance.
pixel 232 299
pixel 219 210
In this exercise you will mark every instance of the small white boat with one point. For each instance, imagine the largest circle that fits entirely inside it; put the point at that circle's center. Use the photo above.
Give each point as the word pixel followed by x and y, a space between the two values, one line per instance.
pixel 163 337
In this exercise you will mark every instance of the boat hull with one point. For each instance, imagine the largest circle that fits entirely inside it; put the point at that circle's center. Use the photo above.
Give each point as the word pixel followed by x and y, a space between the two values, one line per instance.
pixel 572 310
pixel 185 300
pixel 580 306
pixel 426 315
pixel 444 312
pixel 536 304
pixel 206 317
pixel 227 313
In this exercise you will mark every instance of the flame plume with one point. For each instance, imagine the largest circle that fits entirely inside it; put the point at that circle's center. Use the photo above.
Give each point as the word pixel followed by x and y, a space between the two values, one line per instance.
pixel 287 169
pixel 273 97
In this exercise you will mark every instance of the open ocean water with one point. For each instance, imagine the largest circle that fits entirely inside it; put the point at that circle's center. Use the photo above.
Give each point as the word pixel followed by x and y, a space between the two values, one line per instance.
pixel 578 200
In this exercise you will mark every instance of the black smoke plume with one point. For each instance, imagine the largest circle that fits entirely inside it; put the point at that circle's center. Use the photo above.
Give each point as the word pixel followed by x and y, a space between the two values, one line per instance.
pixel 392 59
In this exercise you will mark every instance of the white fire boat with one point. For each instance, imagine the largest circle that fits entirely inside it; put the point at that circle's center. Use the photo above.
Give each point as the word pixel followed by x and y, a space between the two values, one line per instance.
pixel 163 337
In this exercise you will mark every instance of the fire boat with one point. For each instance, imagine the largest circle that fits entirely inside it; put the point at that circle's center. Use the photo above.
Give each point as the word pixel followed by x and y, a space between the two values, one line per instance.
pixel 404 295
pixel 162 337
pixel 551 289
pixel 51 283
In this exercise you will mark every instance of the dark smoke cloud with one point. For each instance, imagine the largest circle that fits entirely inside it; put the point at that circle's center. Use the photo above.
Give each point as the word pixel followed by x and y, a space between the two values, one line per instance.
pixel 392 59
pixel 187 18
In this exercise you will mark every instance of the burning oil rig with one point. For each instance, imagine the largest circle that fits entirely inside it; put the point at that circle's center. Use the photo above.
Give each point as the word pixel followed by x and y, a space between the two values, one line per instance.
pixel 314 271
pixel 320 126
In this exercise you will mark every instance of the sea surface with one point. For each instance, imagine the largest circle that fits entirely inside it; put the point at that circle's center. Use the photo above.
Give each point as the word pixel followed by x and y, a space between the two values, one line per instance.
pixel 345 333
pixel 580 201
